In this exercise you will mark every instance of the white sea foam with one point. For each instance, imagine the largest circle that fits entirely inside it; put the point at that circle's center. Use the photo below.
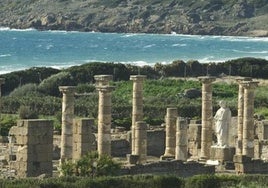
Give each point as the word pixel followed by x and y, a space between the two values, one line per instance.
pixel 5 55
pixel 49 46
pixel 128 35
pixel 149 46
pixel 11 29
pixel 244 39
pixel 4 28
pixel 251 52
pixel 179 45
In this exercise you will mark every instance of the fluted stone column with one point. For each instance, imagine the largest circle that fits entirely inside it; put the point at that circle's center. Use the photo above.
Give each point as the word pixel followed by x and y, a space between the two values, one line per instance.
pixel 67 122
pixel 141 141
pixel 2 81
pixel 181 139
pixel 240 111
pixel 137 104
pixel 207 116
pixel 248 118
pixel 104 119
pixel 171 117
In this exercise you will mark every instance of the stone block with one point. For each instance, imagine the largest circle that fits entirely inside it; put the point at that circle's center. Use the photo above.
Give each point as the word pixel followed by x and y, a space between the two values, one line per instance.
pixel 241 159
pixel 167 158
pixel 132 159
pixel 222 153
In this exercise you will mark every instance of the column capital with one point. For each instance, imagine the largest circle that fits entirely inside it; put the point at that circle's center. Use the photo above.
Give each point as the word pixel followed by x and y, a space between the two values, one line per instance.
pixel 249 84
pixel 105 88
pixel 67 89
pixel 138 78
pixel 102 80
pixel 206 79
pixel 241 79
pixel 2 81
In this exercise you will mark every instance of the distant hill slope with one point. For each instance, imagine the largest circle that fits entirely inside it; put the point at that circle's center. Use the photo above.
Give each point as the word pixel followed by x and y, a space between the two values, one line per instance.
pixel 212 17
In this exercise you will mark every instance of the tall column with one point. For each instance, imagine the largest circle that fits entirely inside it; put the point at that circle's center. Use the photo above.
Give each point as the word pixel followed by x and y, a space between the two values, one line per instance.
pixel 240 111
pixel 67 122
pixel 104 119
pixel 171 117
pixel 248 118
pixel 141 141
pixel 207 116
pixel 104 113
pixel 137 104
pixel 2 81
pixel 181 139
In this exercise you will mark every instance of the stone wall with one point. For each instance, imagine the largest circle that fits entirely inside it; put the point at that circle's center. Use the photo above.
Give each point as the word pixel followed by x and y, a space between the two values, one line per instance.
pixel 156 142
pixel 169 167
pixel 246 165
pixel 34 139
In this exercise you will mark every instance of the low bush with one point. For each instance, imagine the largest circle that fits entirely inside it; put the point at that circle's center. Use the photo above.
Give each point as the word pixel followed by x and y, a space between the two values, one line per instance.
pixel 25 112
pixel 141 181
pixel 7 121
pixel 91 165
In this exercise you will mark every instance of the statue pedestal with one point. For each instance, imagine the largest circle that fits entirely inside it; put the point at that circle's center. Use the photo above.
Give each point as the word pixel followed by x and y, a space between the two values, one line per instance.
pixel 222 154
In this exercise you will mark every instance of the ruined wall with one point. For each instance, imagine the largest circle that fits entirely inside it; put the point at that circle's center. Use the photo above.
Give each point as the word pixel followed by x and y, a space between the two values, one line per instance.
pixel 170 167
pixel 34 139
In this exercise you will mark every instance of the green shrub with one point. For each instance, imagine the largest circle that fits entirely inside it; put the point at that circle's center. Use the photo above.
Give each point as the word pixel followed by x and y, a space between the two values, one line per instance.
pixel 85 88
pixel 7 121
pixel 50 86
pixel 25 112
pixel 167 181
pixel 202 181
pixel 91 165
pixel 27 89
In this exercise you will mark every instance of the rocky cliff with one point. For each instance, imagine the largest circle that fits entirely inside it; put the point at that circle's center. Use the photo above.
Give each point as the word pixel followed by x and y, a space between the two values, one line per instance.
pixel 205 17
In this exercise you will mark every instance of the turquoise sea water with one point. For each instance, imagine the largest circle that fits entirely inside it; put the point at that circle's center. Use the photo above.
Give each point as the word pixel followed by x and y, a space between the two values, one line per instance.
pixel 21 49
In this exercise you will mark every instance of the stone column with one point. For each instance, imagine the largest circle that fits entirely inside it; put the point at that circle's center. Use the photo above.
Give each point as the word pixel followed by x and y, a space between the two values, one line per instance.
pixel 2 81
pixel 207 116
pixel 248 118
pixel 141 141
pixel 171 117
pixel 137 104
pixel 240 111
pixel 104 119
pixel 83 138
pixel 181 139
pixel 67 122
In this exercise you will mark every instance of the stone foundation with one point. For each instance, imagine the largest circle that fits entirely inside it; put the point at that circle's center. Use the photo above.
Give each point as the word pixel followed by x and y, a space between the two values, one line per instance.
pixel 169 167
pixel 246 165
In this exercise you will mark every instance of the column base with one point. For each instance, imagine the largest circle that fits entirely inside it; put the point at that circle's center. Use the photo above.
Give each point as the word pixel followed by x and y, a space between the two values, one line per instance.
pixel 132 159
pixel 167 157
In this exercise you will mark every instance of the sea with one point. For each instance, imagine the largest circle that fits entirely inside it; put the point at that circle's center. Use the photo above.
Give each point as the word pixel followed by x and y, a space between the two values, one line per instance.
pixel 23 49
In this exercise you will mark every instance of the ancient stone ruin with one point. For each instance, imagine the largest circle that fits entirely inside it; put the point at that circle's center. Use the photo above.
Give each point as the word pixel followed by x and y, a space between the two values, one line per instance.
pixel 184 147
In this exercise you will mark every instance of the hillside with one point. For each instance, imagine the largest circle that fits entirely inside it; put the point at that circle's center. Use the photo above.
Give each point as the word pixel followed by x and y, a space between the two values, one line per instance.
pixel 212 17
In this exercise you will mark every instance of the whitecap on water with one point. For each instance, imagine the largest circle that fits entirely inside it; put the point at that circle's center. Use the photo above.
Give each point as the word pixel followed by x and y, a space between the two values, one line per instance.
pixel 5 55
pixel 179 45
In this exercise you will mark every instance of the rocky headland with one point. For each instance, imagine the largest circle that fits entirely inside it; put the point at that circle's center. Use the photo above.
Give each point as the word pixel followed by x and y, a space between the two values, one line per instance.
pixel 203 17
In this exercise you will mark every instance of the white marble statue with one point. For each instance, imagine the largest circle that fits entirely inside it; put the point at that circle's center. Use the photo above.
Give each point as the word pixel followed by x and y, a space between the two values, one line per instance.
pixel 222 122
